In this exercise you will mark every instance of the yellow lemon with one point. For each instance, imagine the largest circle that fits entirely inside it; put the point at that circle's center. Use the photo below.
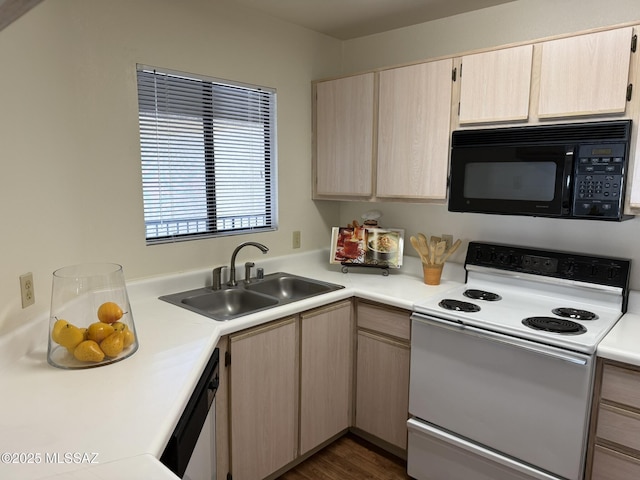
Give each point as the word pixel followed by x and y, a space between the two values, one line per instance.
pixel 70 336
pixel 55 332
pixel 129 338
pixel 98 331
pixel 109 312
pixel 119 326
pixel 113 344
pixel 88 351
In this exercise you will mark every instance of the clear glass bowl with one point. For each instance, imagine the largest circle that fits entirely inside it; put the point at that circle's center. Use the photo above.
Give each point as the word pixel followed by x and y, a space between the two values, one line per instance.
pixel 91 322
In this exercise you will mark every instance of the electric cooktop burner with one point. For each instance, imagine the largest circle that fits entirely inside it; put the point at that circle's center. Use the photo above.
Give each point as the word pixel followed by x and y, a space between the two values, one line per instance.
pixel 554 325
pixel 575 313
pixel 458 306
pixel 482 295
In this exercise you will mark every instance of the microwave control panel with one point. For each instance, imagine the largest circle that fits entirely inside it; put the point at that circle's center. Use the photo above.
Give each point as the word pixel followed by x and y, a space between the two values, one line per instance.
pixel 599 180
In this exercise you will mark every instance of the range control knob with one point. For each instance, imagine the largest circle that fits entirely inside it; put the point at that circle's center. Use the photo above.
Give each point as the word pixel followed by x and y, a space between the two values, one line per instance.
pixel 569 268
pixel 613 273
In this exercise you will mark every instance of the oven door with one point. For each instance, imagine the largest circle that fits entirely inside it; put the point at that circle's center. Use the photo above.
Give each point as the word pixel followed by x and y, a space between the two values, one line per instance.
pixel 516 180
pixel 527 401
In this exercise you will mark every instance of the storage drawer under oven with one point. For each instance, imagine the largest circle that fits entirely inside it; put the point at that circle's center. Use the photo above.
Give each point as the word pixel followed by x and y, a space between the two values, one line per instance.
pixel 436 454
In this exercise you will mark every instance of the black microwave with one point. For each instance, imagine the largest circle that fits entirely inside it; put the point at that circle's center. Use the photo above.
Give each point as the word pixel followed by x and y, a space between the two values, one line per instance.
pixel 575 170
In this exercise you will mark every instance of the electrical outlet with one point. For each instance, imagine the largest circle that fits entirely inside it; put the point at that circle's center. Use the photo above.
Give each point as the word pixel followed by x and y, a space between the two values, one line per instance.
pixel 448 240
pixel 26 290
pixel 296 239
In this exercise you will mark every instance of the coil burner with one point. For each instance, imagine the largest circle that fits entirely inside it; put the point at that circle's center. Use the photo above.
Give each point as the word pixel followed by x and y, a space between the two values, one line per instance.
pixel 458 305
pixel 482 295
pixel 554 325
pixel 575 313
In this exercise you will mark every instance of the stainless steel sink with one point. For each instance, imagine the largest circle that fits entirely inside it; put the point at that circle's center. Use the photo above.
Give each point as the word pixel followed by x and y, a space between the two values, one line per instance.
pixel 224 304
pixel 289 287
pixel 260 294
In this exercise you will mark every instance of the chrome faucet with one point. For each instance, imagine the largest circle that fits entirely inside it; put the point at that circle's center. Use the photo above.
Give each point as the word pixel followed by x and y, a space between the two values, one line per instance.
pixel 232 270
pixel 217 278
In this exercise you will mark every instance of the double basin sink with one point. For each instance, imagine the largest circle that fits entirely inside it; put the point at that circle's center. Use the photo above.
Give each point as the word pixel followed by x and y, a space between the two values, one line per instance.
pixel 271 291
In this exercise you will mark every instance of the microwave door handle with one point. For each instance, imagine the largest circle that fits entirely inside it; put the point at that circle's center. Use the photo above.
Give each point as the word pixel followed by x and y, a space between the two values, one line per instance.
pixel 568 178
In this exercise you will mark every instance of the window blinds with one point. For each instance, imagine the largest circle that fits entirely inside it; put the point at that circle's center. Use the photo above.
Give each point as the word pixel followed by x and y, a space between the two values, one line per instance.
pixel 208 156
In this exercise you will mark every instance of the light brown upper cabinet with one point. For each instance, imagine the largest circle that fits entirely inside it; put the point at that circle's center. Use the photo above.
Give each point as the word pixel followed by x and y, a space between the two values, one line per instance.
pixel 384 134
pixel 585 74
pixel 414 116
pixel 344 127
pixel 495 85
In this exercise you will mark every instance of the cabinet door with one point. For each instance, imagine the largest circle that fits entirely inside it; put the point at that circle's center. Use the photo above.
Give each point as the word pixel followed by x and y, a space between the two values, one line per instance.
pixel 495 86
pixel 344 119
pixel 263 400
pixel 585 74
pixel 326 374
pixel 414 117
pixel 382 388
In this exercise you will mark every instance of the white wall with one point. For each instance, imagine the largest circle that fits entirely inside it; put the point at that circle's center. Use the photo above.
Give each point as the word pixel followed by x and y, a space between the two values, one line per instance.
pixel 518 21
pixel 70 188
pixel 70 180
pixel 512 22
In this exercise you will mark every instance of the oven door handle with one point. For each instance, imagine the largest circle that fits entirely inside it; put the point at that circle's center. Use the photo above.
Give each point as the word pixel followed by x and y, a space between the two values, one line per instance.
pixel 497 337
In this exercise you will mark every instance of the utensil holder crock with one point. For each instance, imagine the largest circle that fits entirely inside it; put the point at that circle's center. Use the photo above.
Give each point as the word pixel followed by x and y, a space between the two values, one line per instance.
pixel 432 273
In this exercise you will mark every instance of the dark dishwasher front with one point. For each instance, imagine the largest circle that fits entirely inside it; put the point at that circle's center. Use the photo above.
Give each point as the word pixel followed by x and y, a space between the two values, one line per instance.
pixel 187 433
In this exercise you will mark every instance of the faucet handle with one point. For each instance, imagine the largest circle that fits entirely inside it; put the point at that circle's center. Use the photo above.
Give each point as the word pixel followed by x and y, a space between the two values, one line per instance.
pixel 217 277
pixel 247 271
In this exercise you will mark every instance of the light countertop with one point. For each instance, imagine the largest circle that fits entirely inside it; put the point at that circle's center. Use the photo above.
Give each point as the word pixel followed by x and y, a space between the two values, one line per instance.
pixel 623 341
pixel 114 421
pixel 56 423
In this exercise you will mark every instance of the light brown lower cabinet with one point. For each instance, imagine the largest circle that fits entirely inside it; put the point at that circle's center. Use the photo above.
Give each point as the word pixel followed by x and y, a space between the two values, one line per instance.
pixel 614 445
pixel 291 385
pixel 264 399
pixel 382 373
pixel 290 389
pixel 326 377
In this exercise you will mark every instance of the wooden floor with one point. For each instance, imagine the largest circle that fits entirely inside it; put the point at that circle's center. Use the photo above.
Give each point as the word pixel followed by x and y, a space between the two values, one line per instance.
pixel 349 458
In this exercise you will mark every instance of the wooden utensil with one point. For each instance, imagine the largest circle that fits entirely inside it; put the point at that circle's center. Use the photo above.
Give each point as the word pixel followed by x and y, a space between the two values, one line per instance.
pixel 452 250
pixel 424 246
pixel 439 252
pixel 432 250
pixel 415 243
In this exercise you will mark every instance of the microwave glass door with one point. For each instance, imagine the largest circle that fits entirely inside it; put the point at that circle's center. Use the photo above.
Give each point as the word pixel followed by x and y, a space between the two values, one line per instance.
pixel 525 180
pixel 510 181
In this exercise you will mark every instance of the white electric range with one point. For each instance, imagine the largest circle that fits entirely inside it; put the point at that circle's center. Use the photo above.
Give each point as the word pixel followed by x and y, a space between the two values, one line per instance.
pixel 502 367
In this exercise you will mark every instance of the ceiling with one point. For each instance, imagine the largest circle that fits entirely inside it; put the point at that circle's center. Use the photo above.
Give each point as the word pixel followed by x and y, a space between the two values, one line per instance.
pixel 347 19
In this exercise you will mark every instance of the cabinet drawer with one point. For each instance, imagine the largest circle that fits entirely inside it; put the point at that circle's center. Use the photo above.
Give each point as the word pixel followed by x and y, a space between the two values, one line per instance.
pixel 621 385
pixel 387 321
pixel 611 465
pixel 619 426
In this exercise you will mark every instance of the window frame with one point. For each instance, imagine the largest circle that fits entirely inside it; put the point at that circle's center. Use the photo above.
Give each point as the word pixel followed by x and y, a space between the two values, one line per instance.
pixel 151 106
